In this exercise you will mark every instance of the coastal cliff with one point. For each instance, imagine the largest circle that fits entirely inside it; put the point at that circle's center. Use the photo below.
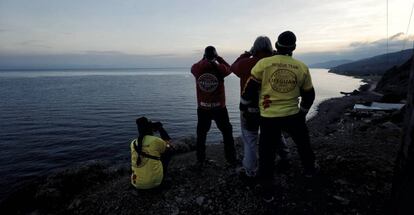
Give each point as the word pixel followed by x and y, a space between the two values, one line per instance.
pixel 394 83
pixel 376 65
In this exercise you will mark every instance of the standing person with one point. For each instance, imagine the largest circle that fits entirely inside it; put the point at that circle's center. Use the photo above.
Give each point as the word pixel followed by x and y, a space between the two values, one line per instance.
pixel 209 74
pixel 150 155
pixel 282 80
pixel 249 115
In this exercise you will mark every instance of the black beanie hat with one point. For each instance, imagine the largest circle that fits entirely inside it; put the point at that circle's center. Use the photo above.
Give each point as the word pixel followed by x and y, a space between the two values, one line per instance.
pixel 210 52
pixel 286 41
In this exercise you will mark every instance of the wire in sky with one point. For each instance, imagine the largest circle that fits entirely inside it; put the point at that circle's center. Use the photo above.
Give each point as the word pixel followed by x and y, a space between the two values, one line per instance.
pixel 408 27
pixel 387 34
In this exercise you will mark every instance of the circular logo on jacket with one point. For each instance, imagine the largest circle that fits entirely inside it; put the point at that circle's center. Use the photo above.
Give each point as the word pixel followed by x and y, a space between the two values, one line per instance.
pixel 283 81
pixel 208 82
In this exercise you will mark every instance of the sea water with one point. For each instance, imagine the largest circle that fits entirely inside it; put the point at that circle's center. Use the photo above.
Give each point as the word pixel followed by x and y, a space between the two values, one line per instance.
pixel 56 119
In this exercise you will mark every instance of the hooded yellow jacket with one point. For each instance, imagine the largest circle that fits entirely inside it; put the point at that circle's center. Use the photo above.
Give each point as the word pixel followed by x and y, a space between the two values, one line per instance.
pixel 149 173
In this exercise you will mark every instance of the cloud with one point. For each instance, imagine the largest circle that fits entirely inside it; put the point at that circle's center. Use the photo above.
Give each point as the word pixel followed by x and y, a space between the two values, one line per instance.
pixel 118 53
pixel 68 33
pixel 397 36
pixel 166 55
pixel 361 49
pixel 116 59
pixel 33 43
pixel 27 42
pixel 395 43
pixel 95 59
pixel 104 53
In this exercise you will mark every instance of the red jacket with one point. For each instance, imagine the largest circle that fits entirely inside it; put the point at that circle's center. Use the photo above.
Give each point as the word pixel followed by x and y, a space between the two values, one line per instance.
pixel 209 78
pixel 244 64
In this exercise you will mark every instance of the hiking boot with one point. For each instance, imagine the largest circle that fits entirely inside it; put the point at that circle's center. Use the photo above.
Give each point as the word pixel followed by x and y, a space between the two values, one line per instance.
pixel 267 196
pixel 234 163
pixel 247 179
pixel 201 164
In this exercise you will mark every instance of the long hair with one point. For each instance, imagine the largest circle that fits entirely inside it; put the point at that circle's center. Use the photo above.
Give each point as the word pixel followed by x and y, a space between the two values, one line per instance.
pixel 261 44
pixel 144 128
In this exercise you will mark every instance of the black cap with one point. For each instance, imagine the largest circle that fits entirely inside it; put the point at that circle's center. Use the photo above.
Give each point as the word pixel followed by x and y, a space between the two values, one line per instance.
pixel 286 41
pixel 210 52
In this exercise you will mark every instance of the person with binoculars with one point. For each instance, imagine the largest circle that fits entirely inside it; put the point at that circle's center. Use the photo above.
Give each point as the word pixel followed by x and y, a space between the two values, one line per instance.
pixel 150 155
pixel 209 74
pixel 250 114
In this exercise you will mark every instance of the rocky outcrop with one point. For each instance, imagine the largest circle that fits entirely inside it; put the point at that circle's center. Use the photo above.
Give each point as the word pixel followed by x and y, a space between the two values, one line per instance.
pixel 394 83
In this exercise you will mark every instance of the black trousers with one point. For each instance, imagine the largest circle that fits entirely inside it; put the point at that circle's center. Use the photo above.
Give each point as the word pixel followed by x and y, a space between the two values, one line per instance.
pixel 221 117
pixel 270 131
pixel 165 159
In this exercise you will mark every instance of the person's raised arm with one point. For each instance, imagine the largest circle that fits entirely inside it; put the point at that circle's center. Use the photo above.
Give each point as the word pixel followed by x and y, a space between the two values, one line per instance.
pixel 235 67
pixel 250 93
pixel 223 66
pixel 251 90
pixel 163 134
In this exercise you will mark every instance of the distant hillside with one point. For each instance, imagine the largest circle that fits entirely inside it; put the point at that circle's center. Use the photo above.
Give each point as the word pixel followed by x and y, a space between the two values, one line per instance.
pixel 394 82
pixel 329 64
pixel 375 65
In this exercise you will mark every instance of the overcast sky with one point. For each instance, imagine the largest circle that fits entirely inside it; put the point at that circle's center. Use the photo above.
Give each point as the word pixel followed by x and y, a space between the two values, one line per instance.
pixel 159 33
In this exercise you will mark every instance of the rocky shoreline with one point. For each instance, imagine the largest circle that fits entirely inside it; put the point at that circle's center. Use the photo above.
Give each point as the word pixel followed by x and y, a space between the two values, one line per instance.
pixel 356 152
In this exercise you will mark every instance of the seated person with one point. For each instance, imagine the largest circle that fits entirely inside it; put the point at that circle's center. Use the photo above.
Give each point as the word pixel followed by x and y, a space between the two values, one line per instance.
pixel 149 155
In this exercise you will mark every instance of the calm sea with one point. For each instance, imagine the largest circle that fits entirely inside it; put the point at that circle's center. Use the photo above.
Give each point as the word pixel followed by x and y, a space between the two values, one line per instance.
pixel 56 119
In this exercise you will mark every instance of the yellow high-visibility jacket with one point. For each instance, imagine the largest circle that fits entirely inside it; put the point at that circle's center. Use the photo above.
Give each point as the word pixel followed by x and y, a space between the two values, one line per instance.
pixel 282 78
pixel 149 173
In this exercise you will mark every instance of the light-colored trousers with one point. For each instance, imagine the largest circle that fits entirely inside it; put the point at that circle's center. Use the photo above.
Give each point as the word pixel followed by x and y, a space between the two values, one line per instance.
pixel 250 139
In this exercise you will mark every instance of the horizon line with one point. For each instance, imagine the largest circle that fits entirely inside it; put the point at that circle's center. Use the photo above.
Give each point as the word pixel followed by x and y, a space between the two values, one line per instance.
pixel 91 68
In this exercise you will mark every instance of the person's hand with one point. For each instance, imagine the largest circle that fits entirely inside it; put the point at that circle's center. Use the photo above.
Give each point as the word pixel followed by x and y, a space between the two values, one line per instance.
pixel 219 59
pixel 252 120
pixel 169 145
pixel 246 54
